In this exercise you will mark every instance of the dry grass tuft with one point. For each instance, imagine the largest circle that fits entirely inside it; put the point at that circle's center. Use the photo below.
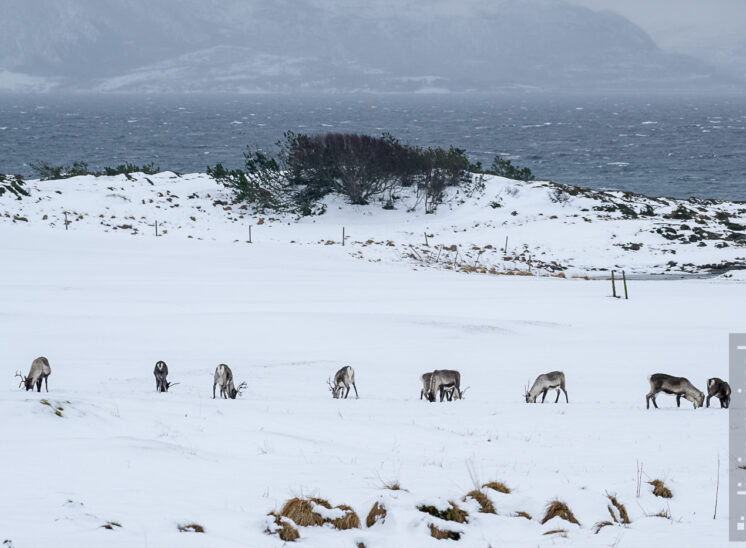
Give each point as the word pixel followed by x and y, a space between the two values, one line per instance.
pixel 377 513
pixel 559 509
pixel 393 486
pixel 485 504
pixel 191 528
pixel 285 531
pixel 600 525
pixel 560 532
pixel 660 489
pixel 662 514
pixel 522 514
pixel 110 525
pixel 452 513
pixel 622 511
pixel 301 512
pixel 497 486
pixel 349 521
pixel 441 534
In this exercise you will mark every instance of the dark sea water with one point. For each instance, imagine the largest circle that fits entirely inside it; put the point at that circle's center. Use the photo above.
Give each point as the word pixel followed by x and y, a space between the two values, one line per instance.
pixel 666 146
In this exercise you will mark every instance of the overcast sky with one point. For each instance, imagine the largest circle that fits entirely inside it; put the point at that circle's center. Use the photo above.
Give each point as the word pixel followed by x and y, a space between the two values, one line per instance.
pixel 701 27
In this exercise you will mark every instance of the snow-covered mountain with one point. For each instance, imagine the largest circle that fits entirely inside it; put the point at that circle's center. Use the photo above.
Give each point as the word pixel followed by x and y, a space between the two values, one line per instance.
pixel 323 45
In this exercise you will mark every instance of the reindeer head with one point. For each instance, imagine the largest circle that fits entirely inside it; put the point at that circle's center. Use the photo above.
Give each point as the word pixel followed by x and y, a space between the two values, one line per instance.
pixel 234 392
pixel 699 400
pixel 335 389
pixel 527 395
pixel 24 381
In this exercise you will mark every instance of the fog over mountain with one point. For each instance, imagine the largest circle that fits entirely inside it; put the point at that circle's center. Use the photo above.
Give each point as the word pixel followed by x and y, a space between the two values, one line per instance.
pixel 332 45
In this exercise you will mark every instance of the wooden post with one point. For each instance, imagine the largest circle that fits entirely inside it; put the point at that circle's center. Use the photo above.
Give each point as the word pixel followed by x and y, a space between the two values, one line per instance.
pixel 439 250
pixel 156 228
pixel 343 236
pixel 529 263
pixel 506 245
pixel 249 233
pixel 65 220
pixel 613 285
pixel 426 239
pixel 624 278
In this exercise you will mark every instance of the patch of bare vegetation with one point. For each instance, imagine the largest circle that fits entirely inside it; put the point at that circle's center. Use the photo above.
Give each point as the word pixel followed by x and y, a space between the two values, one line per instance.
pixel 558 509
pixel 443 534
pixel 377 514
pixel 191 528
pixel 660 489
pixel 600 525
pixel 301 512
pixel 485 504
pixel 561 532
pixel 621 515
pixel 111 525
pixel 522 514
pixel 452 513
pixel 283 528
pixel 497 486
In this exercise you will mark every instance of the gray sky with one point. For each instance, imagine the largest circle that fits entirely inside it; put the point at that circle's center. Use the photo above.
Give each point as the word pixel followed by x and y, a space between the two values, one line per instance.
pixel 705 28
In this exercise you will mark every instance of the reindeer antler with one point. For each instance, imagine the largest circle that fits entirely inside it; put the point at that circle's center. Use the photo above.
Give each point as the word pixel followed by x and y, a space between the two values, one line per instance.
pixel 240 387
pixel 462 392
pixel 23 378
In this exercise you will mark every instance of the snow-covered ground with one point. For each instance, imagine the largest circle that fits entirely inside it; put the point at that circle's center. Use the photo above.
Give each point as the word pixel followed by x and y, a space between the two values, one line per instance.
pixel 104 307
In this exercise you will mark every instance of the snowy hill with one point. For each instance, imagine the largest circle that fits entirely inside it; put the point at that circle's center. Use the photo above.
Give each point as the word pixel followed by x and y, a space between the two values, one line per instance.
pixel 550 229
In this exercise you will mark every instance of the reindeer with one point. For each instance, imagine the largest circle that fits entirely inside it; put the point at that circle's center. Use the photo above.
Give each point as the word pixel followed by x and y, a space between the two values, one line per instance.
pixel 161 372
pixel 224 378
pixel 544 383
pixel 39 371
pixel 679 386
pixel 719 389
pixel 343 379
pixel 425 378
pixel 446 383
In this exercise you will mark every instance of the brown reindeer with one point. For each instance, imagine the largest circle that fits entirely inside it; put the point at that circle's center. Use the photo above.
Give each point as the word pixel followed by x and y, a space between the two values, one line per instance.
pixel 543 383
pixel 224 379
pixel 344 378
pixel 679 386
pixel 719 389
pixel 39 371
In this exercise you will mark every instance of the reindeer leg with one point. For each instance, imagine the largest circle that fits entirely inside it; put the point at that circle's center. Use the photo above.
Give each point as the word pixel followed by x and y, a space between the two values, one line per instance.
pixel 348 390
pixel 38 385
pixel 678 400
pixel 567 400
pixel 46 386
pixel 707 401
pixel 357 397
pixel 558 395
pixel 544 395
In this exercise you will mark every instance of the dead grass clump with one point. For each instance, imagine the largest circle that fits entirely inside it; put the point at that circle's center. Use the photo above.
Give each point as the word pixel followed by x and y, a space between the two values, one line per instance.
pixel 376 514
pixel 110 525
pixel 452 513
pixel 498 486
pixel 301 512
pixel 662 514
pixel 522 514
pixel 485 504
pixel 621 510
pixel 393 486
pixel 349 521
pixel 600 525
pixel 191 528
pixel 560 532
pixel 284 529
pixel 660 489
pixel 441 534
pixel 559 509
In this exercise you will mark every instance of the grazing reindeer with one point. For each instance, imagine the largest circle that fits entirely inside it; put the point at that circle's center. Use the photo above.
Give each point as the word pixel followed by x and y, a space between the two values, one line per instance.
pixel 343 379
pixel 673 385
pixel 544 383
pixel 445 382
pixel 224 378
pixel 39 371
pixel 719 389
pixel 425 385
pixel 161 372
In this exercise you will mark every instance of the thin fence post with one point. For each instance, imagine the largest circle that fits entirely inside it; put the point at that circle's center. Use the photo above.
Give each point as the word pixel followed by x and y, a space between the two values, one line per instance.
pixel 156 228
pixel 65 220
pixel 624 278
pixel 506 245
pixel 343 236
pixel 249 233
pixel 613 285
pixel 426 239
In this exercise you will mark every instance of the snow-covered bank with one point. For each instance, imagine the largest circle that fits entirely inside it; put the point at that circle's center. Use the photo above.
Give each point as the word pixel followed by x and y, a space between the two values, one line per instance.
pixel 550 229
pixel 104 307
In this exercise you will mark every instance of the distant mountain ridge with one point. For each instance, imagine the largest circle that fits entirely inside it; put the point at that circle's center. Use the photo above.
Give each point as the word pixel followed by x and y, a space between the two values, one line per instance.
pixel 329 45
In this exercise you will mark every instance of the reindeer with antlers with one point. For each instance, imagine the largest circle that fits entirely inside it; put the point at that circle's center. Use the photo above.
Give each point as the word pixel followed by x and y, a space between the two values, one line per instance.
pixel 543 383
pixel 224 379
pixel 39 371
pixel 344 378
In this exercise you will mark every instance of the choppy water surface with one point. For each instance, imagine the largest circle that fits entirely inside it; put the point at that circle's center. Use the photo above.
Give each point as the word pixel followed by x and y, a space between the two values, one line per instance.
pixel 673 146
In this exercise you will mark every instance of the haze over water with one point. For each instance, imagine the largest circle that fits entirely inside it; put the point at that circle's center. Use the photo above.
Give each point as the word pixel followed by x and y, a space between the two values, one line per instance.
pixel 663 146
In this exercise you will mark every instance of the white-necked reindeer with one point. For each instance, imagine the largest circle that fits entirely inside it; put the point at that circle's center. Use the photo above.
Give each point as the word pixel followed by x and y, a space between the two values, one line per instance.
pixel 425 392
pixel 224 379
pixel 445 383
pixel 161 372
pixel 39 371
pixel 679 386
pixel 543 383
pixel 344 378
pixel 719 389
